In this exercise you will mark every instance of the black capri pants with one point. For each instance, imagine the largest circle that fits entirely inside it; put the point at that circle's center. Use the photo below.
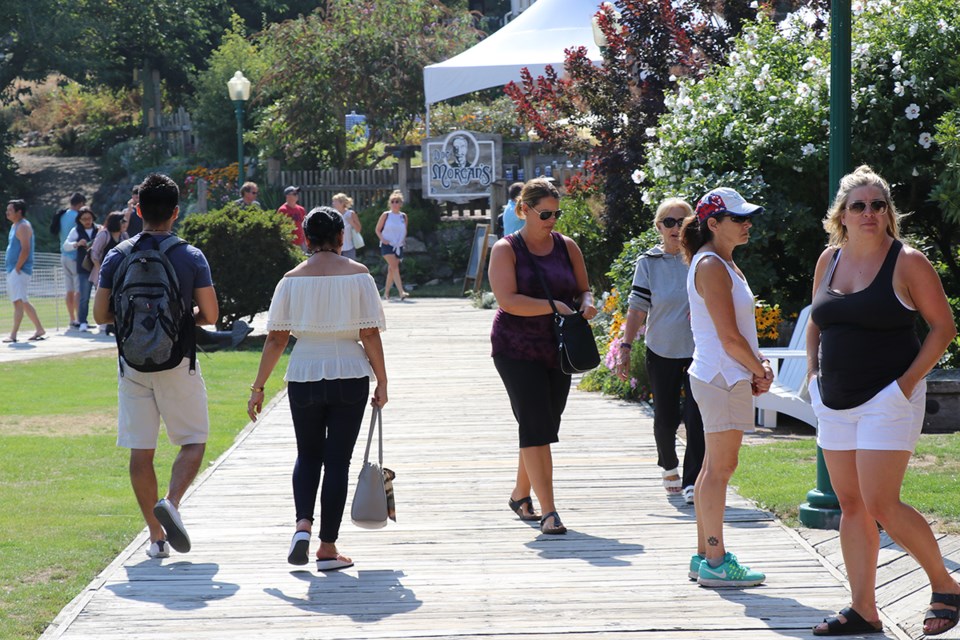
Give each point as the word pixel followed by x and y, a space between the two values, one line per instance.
pixel 538 395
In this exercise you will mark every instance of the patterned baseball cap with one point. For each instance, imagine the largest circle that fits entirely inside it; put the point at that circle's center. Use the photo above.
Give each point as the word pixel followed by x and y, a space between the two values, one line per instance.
pixel 723 200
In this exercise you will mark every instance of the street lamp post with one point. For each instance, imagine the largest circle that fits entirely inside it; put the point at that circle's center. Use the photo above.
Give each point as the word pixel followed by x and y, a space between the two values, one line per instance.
pixel 239 89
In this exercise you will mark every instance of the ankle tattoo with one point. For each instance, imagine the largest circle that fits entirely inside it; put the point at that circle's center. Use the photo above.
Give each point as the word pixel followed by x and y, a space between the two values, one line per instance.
pixel 712 541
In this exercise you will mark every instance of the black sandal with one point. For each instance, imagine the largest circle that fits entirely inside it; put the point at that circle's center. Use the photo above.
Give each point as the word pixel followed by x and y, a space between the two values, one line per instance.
pixel 855 625
pixel 558 527
pixel 517 506
pixel 953 615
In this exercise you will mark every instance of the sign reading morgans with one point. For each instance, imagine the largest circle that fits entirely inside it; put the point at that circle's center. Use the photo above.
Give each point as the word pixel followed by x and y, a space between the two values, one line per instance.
pixel 461 166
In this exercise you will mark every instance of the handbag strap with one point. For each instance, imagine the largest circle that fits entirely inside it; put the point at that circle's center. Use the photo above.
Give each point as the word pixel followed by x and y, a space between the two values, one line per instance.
pixel 376 423
pixel 543 281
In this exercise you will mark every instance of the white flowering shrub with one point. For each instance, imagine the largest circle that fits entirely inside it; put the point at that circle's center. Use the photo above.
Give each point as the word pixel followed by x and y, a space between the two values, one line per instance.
pixel 760 124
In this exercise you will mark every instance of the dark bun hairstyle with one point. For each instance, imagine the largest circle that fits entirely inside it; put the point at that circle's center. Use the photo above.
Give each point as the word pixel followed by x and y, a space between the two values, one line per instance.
pixel 322 227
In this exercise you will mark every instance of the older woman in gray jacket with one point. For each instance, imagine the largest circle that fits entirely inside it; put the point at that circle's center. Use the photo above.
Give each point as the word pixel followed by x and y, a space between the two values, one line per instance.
pixel 659 297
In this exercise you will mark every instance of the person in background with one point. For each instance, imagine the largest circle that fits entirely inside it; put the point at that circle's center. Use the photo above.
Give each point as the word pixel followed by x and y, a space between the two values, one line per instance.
pixel 19 268
pixel 524 346
pixel 113 233
pixel 392 231
pixel 727 370
pixel 328 376
pixel 295 212
pixel 659 296
pixel 68 259
pixel 866 367
pixel 79 240
pixel 130 216
pixel 248 195
pixel 511 221
pixel 178 395
pixel 344 205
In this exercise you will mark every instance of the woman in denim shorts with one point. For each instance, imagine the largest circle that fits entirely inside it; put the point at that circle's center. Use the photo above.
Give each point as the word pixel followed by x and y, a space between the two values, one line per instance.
pixel 727 370
pixel 867 368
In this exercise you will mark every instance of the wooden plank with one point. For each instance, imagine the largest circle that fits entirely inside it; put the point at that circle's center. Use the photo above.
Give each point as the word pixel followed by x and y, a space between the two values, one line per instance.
pixel 458 564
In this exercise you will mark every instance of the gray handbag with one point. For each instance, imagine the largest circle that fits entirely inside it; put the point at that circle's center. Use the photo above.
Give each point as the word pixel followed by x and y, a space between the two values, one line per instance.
pixel 369 509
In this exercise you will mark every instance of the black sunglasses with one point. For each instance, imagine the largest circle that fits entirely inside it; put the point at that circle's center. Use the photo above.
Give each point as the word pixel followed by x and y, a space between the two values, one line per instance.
pixel 546 215
pixel 670 223
pixel 877 206
pixel 736 219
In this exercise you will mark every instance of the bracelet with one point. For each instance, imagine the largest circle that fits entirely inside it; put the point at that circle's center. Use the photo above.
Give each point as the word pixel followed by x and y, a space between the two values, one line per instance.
pixel 257 389
pixel 626 345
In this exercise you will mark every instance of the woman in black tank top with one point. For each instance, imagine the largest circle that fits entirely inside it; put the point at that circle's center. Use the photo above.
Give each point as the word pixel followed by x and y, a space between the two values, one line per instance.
pixel 866 368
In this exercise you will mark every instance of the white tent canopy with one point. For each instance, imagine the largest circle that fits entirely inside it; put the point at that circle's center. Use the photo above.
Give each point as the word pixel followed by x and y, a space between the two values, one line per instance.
pixel 536 38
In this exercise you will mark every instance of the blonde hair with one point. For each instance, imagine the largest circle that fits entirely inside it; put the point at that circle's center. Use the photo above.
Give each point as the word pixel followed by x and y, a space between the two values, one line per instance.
pixel 672 203
pixel 534 191
pixel 862 176
pixel 396 195
pixel 345 199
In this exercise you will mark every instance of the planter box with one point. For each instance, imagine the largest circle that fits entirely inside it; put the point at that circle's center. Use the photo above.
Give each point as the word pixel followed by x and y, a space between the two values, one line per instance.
pixel 943 401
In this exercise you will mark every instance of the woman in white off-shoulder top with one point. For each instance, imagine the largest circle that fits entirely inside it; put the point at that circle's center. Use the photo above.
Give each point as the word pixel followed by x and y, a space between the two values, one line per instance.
pixel 332 305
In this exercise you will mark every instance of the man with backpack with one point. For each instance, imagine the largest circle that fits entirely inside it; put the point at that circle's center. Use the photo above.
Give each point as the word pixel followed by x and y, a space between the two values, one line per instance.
pixel 155 288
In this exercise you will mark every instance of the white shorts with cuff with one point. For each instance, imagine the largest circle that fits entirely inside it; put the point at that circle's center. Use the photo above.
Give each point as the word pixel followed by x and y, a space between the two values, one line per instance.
pixel 17 285
pixel 724 407
pixel 886 422
pixel 69 274
pixel 174 395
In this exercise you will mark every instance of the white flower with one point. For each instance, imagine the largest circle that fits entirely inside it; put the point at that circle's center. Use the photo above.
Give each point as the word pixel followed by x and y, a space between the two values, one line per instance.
pixel 899 89
pixel 638 176
pixel 912 111
pixel 672 78
pixel 897 71
pixel 811 63
pixel 942 25
pixel 650 131
pixel 647 198
pixel 913 31
pixel 798 169
pixel 803 89
pixel 925 140
pixel 735 58
pixel 728 130
pixel 896 57
pixel 808 149
pixel 861 50
pixel 750 37
pixel 857 6
pixel 754 5
pixel 915 173
pixel 760 84
pixel 771 121
pixel 892 147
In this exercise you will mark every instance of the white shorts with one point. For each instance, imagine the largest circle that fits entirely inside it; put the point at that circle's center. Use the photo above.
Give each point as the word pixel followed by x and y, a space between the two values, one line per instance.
pixel 17 285
pixel 69 273
pixel 886 422
pixel 174 395
pixel 723 407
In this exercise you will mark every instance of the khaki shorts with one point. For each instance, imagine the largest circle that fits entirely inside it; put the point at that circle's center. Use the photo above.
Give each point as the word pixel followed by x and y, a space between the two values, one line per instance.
pixel 69 273
pixel 722 406
pixel 174 395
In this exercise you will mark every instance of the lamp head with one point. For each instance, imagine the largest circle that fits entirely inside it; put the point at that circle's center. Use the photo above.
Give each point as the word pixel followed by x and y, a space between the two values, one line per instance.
pixel 239 87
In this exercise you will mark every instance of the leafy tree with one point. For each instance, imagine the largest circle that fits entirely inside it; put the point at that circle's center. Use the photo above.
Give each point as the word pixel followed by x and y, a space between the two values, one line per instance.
pixel 361 55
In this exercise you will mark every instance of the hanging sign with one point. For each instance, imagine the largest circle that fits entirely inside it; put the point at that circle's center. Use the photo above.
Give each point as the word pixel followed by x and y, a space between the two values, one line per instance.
pixel 461 166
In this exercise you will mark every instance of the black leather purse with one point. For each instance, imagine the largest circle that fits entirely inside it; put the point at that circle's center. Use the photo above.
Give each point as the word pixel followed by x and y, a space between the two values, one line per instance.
pixel 577 346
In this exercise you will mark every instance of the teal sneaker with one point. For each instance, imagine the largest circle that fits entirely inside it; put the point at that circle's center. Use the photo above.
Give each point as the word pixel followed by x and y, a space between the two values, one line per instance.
pixel 729 574
pixel 695 561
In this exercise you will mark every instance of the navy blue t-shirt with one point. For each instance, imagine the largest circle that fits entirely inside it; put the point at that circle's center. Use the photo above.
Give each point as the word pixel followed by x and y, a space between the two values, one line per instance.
pixel 190 264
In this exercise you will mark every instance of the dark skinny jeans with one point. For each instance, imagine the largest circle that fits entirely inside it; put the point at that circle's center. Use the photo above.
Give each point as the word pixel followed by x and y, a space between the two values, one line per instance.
pixel 667 377
pixel 327 415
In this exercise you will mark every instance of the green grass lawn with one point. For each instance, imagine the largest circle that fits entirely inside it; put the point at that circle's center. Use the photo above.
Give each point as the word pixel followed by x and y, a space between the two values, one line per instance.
pixel 67 505
pixel 778 475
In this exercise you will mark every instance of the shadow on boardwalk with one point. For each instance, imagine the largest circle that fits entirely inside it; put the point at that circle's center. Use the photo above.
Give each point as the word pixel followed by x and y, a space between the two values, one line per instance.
pixel 458 563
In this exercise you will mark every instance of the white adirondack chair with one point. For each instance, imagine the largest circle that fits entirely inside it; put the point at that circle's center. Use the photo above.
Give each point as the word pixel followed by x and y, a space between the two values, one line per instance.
pixel 788 394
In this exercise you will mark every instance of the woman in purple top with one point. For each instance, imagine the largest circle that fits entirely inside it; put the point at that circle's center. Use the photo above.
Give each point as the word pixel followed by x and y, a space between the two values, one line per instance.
pixel 524 346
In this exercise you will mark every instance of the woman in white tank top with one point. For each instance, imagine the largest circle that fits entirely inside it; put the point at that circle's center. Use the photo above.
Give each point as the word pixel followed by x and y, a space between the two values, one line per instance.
pixel 727 370
pixel 392 231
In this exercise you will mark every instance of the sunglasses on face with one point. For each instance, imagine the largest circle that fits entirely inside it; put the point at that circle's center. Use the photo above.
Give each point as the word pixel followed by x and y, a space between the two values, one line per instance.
pixel 396 202
pixel 736 219
pixel 546 215
pixel 670 223
pixel 877 206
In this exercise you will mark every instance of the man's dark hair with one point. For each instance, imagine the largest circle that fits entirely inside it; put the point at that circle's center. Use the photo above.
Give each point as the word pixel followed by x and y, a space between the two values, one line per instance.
pixel 77 199
pixel 19 205
pixel 114 222
pixel 159 196
pixel 514 191
pixel 136 190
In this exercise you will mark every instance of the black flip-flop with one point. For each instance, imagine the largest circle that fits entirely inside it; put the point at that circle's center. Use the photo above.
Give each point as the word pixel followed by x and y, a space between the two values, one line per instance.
pixel 9 340
pixel 952 615
pixel 38 338
pixel 854 626
pixel 517 506
pixel 557 529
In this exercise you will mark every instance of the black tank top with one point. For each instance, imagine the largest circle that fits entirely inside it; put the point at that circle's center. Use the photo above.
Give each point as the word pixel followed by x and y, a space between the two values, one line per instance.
pixel 867 338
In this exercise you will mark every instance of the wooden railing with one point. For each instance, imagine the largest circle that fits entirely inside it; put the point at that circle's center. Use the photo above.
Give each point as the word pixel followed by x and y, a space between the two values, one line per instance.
pixel 175 130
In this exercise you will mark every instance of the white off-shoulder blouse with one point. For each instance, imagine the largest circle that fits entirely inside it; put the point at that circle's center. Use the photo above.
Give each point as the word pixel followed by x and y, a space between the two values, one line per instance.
pixel 326 313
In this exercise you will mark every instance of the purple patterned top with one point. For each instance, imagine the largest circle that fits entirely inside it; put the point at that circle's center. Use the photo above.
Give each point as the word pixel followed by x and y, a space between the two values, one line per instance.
pixel 532 337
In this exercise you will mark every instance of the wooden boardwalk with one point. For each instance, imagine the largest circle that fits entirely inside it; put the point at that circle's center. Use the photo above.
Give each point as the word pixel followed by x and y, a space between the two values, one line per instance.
pixel 458 564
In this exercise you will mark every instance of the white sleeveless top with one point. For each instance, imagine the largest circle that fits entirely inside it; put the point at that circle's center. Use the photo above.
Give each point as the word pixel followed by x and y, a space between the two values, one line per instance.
pixel 394 229
pixel 709 357
pixel 326 313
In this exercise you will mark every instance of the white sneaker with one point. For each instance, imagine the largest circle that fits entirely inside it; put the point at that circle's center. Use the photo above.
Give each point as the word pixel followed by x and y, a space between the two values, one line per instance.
pixel 84 327
pixel 169 518
pixel 159 549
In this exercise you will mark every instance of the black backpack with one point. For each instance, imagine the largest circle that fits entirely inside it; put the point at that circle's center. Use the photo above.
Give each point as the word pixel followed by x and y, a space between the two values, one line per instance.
pixel 154 330
pixel 55 222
